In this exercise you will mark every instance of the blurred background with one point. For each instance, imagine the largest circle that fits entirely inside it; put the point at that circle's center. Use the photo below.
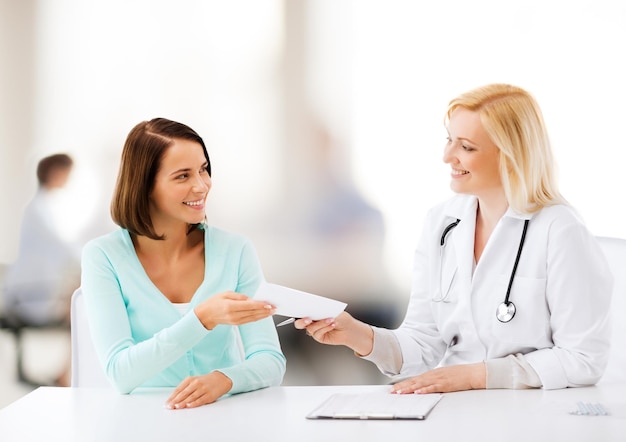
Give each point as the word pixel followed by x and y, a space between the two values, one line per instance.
pixel 323 120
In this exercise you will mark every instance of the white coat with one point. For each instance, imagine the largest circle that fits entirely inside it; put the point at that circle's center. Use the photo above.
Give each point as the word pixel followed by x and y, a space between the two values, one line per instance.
pixel 562 292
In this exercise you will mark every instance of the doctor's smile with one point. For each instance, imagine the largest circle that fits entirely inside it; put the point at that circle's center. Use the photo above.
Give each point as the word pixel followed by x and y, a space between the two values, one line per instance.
pixel 457 173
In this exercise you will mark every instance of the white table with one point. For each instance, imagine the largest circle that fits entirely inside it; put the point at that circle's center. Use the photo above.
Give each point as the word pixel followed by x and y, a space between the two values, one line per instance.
pixel 278 414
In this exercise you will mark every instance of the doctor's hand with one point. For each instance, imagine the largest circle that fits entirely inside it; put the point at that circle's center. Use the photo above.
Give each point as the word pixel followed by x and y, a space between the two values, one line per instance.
pixel 199 390
pixel 445 379
pixel 343 330
pixel 231 308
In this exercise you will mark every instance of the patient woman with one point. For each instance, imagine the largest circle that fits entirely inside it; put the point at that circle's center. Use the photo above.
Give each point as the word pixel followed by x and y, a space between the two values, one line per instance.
pixel 168 296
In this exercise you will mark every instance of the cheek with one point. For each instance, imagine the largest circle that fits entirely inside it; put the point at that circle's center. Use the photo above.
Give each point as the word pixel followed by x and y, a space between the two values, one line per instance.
pixel 495 167
pixel 487 166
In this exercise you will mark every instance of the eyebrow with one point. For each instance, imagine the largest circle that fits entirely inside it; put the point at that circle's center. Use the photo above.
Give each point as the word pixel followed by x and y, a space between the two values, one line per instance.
pixel 179 171
pixel 467 139
pixel 464 139
pixel 187 169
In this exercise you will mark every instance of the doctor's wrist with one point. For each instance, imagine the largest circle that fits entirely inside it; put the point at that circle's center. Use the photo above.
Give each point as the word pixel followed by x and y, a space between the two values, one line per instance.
pixel 362 338
pixel 478 376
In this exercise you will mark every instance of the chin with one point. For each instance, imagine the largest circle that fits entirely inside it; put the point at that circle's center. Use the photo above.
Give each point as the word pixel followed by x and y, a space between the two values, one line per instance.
pixel 456 189
pixel 460 190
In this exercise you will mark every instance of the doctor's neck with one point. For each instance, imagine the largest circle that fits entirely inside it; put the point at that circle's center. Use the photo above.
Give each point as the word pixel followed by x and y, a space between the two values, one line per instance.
pixel 490 210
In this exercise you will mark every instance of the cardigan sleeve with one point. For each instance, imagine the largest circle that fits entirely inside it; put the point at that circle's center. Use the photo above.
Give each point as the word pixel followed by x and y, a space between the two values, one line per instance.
pixel 264 363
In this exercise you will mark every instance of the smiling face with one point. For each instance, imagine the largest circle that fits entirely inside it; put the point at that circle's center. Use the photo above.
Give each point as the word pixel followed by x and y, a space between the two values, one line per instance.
pixel 181 186
pixel 473 157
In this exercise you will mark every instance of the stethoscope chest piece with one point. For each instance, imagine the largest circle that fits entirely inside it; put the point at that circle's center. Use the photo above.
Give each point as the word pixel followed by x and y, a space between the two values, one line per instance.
pixel 505 311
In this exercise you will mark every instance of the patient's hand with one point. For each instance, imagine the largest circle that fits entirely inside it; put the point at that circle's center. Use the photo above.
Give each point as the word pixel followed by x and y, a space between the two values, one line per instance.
pixel 199 390
pixel 231 308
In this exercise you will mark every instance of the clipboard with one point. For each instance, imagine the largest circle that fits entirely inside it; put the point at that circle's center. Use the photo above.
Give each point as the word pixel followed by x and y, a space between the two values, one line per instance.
pixel 376 405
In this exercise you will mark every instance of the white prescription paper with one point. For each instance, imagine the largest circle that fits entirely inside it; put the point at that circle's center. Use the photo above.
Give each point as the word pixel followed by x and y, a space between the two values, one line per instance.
pixel 297 304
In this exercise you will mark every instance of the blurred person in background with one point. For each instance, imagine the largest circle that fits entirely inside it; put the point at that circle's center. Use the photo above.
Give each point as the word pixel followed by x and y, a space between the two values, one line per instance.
pixel 167 295
pixel 334 238
pixel 39 284
pixel 510 289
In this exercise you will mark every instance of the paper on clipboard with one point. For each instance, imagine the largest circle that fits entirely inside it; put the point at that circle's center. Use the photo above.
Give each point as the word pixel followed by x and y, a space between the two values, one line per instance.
pixel 298 304
pixel 376 405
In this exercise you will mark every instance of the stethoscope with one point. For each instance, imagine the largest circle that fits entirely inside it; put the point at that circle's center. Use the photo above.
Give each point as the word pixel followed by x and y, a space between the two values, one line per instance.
pixel 506 310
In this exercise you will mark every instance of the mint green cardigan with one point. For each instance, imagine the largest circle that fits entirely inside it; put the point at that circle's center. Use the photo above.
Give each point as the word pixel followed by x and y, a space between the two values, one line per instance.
pixel 143 341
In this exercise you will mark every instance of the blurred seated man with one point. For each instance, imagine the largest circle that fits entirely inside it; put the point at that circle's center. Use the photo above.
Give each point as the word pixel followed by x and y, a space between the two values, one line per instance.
pixel 40 282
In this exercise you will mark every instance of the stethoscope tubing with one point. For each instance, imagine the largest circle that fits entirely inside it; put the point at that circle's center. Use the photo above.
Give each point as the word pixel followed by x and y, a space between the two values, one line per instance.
pixel 519 253
pixel 447 230
pixel 507 305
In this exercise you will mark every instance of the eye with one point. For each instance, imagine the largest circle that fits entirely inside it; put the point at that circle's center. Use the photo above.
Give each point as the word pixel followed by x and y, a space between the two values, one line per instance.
pixel 203 169
pixel 182 176
pixel 467 148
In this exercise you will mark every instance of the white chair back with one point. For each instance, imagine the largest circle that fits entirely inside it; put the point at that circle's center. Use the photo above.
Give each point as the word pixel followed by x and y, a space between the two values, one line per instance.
pixel 86 368
pixel 615 251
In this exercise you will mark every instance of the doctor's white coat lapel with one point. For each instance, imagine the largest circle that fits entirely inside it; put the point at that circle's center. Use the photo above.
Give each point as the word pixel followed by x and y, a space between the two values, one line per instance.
pixel 456 321
pixel 462 241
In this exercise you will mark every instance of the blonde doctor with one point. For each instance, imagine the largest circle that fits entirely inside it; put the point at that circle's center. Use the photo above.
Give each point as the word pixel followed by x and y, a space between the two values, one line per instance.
pixel 510 289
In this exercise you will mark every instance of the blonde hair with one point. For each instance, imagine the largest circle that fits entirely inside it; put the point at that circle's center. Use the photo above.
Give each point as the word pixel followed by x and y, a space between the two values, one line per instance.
pixel 514 122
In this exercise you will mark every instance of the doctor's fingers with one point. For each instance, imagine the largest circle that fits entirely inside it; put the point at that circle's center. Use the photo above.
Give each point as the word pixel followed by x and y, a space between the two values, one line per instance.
pixel 322 331
pixel 310 325
pixel 418 384
pixel 444 379
pixel 302 323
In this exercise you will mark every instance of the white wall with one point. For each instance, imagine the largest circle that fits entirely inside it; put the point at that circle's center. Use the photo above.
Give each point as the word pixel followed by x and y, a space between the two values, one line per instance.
pixel 376 74
pixel 411 59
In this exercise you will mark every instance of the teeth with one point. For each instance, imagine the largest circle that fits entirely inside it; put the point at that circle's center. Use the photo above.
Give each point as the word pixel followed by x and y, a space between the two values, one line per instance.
pixel 459 172
pixel 193 203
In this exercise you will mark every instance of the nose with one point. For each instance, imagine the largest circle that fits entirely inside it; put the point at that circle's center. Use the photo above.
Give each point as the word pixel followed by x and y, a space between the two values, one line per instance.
pixel 202 183
pixel 448 152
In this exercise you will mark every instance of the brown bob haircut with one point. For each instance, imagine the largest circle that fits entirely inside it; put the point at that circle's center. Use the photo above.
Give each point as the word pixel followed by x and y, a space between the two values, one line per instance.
pixel 141 159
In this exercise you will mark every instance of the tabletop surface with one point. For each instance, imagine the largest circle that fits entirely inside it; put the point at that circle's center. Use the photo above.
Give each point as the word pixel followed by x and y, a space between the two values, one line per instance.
pixel 278 414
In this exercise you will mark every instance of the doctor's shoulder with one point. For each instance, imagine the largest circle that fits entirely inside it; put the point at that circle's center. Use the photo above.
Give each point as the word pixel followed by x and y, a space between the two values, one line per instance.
pixel 561 219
